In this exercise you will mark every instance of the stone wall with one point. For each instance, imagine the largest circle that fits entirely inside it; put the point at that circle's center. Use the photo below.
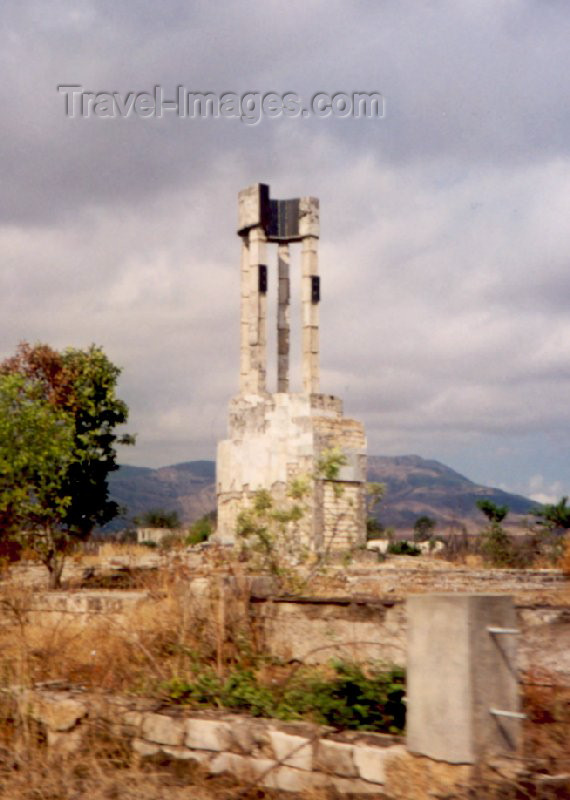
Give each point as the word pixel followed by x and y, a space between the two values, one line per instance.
pixel 315 631
pixel 366 621
pixel 401 576
pixel 156 535
pixel 295 757
pixel 346 433
pixel 342 503
pixel 85 606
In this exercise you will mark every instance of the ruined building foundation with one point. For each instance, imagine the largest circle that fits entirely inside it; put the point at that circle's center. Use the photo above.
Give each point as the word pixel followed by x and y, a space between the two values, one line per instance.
pixel 276 437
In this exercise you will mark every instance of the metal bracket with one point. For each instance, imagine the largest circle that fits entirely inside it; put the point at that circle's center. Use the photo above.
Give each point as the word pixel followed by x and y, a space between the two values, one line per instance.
pixel 496 712
pixel 494 631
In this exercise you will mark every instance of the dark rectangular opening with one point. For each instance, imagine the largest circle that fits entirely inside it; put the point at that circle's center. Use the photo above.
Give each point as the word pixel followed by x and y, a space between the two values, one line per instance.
pixel 315 288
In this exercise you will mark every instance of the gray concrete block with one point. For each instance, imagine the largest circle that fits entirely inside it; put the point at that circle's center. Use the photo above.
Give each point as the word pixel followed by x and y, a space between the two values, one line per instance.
pixel 458 672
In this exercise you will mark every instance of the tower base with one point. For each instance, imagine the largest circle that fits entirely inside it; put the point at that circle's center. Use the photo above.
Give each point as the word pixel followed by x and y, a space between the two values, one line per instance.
pixel 277 438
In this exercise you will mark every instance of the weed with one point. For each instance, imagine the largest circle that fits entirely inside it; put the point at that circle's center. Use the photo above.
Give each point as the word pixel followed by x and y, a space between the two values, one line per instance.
pixel 403 548
pixel 565 556
pixel 200 531
pixel 350 698
pixel 497 547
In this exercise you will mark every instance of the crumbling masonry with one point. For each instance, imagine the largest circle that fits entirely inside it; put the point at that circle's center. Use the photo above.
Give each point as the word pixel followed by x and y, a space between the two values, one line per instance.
pixel 277 437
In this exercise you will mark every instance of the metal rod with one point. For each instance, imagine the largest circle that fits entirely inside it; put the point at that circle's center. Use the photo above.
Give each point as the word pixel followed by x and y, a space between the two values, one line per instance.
pixel 511 714
pixel 503 630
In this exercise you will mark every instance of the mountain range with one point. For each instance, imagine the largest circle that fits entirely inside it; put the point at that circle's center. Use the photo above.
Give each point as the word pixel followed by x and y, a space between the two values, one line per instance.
pixel 414 487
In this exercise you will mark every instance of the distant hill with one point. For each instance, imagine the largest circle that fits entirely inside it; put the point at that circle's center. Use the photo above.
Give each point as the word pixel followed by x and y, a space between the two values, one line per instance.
pixel 417 486
pixel 414 486
pixel 188 488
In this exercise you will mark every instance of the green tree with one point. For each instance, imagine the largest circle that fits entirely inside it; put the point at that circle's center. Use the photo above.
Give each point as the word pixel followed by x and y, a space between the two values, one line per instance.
pixel 493 512
pixel 78 388
pixel 158 518
pixel 423 528
pixel 497 546
pixel 374 494
pixel 97 411
pixel 36 451
pixel 202 529
pixel 554 516
pixel 270 532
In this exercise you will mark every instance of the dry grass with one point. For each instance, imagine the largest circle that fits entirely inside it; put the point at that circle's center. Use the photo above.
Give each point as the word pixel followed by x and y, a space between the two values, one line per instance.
pixel 130 549
pixel 137 650
pixel 473 561
pixel 134 649
pixel 547 728
pixel 131 552
pixel 105 773
pixel 565 558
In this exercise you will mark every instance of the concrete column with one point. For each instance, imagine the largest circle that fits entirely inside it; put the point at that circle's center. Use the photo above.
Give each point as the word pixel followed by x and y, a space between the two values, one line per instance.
pixel 309 315
pixel 257 304
pixel 245 367
pixel 463 696
pixel 283 329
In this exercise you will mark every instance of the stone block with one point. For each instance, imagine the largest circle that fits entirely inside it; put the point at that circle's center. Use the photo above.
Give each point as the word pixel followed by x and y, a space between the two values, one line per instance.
pixel 370 763
pixel 293 751
pixel 413 777
pixel 133 719
pixel 249 207
pixel 355 787
pixel 208 734
pixel 310 335
pixel 309 216
pixel 242 767
pixel 145 749
pixel 65 742
pixel 250 737
pixel 336 757
pixel 57 713
pixel 309 310
pixel 284 293
pixel 288 779
pixel 183 754
pixel 351 471
pixel 257 255
pixel 162 729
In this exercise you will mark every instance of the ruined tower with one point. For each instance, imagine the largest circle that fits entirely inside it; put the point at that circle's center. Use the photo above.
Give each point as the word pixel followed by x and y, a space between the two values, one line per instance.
pixel 275 437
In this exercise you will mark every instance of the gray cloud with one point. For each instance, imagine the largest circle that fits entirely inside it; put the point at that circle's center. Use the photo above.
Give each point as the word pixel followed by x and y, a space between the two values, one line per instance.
pixel 445 242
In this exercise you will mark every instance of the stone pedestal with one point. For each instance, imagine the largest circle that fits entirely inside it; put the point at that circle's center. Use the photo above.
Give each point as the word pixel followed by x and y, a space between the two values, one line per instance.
pixel 276 438
pixel 463 698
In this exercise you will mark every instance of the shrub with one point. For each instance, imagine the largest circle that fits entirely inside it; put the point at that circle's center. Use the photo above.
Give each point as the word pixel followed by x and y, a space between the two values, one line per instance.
pixel 403 548
pixel 354 700
pixel 158 518
pixel 374 530
pixel 497 547
pixel 171 541
pixel 565 557
pixel 350 699
pixel 200 531
pixel 423 528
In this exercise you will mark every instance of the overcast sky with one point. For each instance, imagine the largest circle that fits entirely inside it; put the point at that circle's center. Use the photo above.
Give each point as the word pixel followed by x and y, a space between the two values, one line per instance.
pixel 445 231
